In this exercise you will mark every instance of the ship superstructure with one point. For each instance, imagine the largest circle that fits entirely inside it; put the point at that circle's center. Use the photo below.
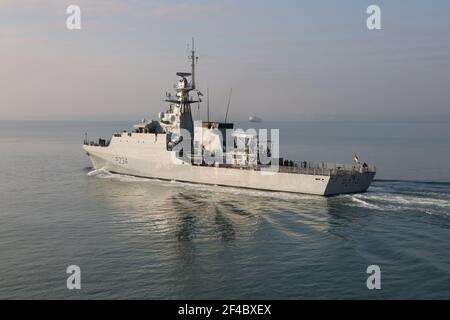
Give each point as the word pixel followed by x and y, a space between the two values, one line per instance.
pixel 174 147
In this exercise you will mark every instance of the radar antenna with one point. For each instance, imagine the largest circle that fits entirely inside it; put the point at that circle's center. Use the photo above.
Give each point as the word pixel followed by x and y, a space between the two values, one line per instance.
pixel 228 107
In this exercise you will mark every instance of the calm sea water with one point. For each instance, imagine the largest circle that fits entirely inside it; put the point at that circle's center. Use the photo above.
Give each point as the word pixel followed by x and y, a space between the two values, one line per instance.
pixel 138 238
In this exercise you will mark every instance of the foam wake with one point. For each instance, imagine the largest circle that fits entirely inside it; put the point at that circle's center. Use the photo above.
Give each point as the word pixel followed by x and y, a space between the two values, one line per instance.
pixel 399 202
pixel 105 174
pixel 100 173
pixel 365 204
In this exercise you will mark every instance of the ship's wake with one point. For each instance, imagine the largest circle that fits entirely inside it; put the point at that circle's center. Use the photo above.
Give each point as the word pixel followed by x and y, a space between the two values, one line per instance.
pixel 405 196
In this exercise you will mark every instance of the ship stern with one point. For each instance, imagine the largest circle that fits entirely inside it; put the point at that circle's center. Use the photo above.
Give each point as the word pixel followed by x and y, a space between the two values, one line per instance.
pixel 349 183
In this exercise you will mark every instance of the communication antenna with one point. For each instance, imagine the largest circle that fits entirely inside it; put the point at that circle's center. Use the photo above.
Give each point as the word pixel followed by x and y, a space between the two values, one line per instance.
pixel 228 106
pixel 193 59
pixel 207 104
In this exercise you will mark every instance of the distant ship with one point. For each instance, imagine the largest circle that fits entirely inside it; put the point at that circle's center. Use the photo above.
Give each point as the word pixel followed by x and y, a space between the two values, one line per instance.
pixel 151 150
pixel 254 119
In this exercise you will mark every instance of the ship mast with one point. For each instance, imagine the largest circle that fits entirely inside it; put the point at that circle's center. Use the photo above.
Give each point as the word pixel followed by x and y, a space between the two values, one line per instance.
pixel 193 61
pixel 181 112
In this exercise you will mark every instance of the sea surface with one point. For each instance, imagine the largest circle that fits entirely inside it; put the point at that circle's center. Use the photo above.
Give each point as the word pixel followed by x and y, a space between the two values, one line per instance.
pixel 148 239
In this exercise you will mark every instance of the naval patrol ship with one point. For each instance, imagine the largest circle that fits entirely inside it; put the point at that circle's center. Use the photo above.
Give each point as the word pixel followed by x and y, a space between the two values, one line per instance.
pixel 176 148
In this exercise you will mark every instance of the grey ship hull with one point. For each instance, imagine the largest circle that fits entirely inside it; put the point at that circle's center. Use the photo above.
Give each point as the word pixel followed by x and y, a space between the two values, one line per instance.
pixel 145 155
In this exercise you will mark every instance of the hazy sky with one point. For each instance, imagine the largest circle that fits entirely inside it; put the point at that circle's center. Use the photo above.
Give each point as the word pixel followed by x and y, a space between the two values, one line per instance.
pixel 284 59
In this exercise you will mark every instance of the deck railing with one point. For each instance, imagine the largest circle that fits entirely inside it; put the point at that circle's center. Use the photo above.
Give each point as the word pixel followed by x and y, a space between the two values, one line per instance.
pixel 326 169
pixel 319 169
